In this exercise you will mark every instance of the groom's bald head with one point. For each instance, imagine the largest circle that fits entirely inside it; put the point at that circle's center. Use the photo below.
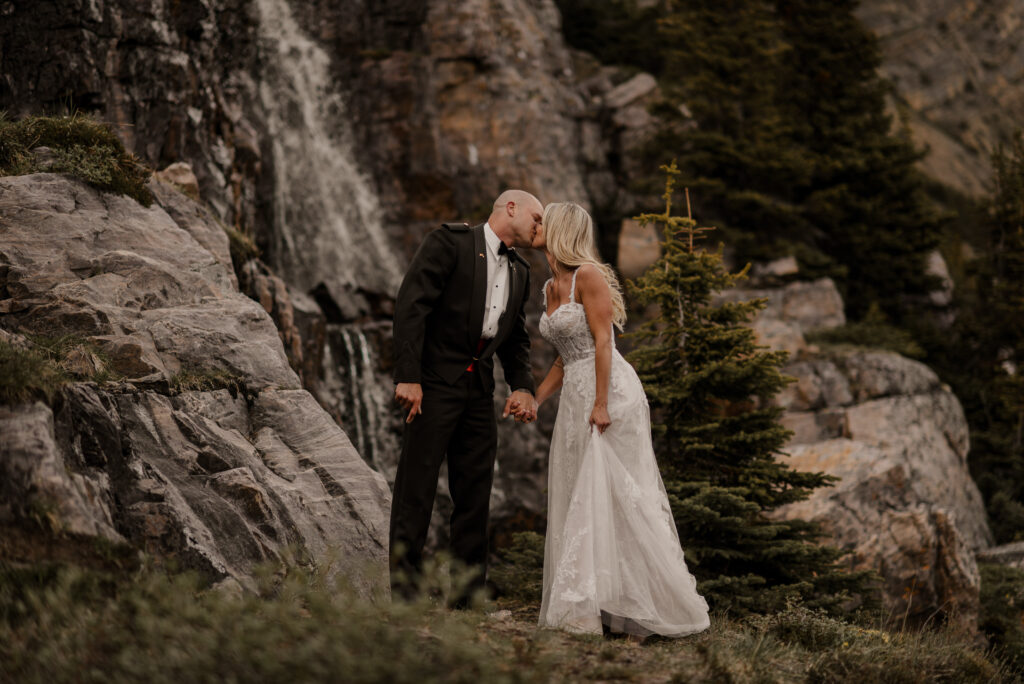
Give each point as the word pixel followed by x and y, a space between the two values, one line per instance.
pixel 515 216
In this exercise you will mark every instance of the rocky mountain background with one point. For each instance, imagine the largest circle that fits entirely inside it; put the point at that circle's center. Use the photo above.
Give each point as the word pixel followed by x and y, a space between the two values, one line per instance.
pixel 334 135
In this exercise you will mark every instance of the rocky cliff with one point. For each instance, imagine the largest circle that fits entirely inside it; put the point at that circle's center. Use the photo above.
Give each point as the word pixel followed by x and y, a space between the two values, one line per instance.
pixel 195 440
pixel 957 69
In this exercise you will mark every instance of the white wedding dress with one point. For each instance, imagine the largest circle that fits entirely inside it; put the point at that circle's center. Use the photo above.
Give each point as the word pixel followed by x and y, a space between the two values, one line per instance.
pixel 612 553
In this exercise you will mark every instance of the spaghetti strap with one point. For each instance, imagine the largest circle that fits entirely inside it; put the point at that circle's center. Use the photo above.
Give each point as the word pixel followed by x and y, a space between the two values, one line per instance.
pixel 544 292
pixel 572 288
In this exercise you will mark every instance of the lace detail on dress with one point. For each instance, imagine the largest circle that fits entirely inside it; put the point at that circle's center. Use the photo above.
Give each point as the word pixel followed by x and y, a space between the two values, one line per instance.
pixel 567 328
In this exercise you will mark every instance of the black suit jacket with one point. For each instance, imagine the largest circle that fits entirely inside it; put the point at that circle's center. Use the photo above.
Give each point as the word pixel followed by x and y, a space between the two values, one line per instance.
pixel 440 312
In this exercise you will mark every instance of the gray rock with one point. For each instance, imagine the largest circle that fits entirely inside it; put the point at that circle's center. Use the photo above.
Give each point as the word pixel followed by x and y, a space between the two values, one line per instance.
pixel 778 268
pixel 879 512
pixel 791 312
pixel 181 175
pixel 905 505
pixel 203 479
pixel 44 157
pixel 626 93
pixel 203 493
pixel 132 277
pixel 38 483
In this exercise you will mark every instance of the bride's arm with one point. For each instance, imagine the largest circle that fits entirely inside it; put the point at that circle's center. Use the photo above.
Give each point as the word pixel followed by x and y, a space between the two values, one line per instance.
pixel 552 381
pixel 596 298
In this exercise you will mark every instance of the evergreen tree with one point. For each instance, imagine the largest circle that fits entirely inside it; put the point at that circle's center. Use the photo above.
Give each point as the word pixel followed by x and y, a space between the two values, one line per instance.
pixel 709 385
pixel 863 192
pixel 793 150
pixel 722 65
pixel 990 342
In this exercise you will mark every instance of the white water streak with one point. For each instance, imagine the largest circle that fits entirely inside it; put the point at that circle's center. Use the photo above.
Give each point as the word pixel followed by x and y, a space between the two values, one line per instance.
pixel 327 218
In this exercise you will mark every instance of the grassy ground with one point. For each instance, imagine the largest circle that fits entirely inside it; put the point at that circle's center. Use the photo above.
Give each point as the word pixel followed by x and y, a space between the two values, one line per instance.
pixel 74 610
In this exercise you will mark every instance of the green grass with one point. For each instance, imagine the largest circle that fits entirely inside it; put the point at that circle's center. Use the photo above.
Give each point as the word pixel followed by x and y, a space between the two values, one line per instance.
pixel 196 378
pixel 1002 610
pixel 135 623
pixel 871 333
pixel 58 348
pixel 83 147
pixel 242 247
pixel 28 374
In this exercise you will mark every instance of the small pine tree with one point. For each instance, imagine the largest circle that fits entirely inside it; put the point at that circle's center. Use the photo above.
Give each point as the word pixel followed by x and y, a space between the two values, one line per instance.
pixel 709 386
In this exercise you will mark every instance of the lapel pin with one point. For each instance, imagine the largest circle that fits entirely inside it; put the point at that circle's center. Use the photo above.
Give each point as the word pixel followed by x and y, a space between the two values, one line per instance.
pixel 482 255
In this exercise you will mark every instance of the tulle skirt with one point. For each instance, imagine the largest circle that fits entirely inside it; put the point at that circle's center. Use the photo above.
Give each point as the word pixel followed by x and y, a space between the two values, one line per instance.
pixel 612 553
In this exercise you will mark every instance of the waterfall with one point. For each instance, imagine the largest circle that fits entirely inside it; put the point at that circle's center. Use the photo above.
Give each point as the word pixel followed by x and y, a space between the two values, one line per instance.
pixel 363 396
pixel 327 220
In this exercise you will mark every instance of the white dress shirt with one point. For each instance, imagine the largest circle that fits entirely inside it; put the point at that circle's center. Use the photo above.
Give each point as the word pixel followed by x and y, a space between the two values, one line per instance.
pixel 497 283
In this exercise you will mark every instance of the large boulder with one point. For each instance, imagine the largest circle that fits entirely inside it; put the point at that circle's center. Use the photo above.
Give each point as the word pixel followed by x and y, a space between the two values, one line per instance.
pixel 217 479
pixel 905 504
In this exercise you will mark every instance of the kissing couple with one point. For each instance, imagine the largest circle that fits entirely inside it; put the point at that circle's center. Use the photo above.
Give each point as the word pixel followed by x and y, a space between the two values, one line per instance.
pixel 612 558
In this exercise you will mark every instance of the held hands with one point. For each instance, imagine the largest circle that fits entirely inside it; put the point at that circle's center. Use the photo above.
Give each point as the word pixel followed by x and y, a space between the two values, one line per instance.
pixel 410 396
pixel 522 405
pixel 599 417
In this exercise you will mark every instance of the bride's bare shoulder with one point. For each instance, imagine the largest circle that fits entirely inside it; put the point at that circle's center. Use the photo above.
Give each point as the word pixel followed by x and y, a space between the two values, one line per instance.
pixel 589 278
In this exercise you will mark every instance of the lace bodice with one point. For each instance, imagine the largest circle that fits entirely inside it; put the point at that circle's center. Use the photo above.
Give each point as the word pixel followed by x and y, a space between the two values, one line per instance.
pixel 567 329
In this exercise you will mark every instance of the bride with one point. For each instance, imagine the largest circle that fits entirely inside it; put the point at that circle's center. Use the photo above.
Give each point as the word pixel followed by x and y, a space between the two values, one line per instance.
pixel 612 554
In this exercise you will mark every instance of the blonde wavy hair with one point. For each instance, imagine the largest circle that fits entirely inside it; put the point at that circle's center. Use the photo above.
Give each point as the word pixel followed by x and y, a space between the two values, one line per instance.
pixel 569 233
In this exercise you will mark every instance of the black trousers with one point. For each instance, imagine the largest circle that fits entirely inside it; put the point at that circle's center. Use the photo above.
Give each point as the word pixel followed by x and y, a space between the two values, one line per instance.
pixel 458 422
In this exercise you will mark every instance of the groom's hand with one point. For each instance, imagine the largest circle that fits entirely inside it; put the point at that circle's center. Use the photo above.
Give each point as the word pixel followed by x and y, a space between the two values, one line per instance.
pixel 410 396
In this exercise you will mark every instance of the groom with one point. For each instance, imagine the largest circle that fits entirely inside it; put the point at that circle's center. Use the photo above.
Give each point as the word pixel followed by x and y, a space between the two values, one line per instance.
pixel 462 300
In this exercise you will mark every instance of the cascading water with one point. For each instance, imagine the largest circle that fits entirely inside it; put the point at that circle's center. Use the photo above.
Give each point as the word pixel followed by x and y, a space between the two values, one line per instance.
pixel 327 220
pixel 361 398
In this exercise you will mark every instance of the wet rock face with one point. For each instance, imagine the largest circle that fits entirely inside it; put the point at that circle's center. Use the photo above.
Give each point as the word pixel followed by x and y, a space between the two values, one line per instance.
pixel 451 104
pixel 218 480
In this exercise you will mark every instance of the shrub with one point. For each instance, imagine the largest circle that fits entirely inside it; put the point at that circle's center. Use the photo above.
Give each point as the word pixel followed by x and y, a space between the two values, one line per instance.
pixel 28 374
pixel 1002 611
pixel 82 146
pixel 299 628
pixel 520 573
pixel 242 247
pixel 872 332
pixel 196 378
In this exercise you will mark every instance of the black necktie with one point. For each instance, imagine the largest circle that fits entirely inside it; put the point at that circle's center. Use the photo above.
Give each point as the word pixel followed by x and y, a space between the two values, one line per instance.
pixel 502 249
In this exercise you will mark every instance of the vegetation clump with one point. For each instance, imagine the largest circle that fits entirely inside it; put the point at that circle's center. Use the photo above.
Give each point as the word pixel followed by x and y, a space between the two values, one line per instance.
pixel 242 247
pixel 110 623
pixel 81 146
pixel 193 377
pixel 520 573
pixel 28 374
pixel 872 332
pixel 1002 611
